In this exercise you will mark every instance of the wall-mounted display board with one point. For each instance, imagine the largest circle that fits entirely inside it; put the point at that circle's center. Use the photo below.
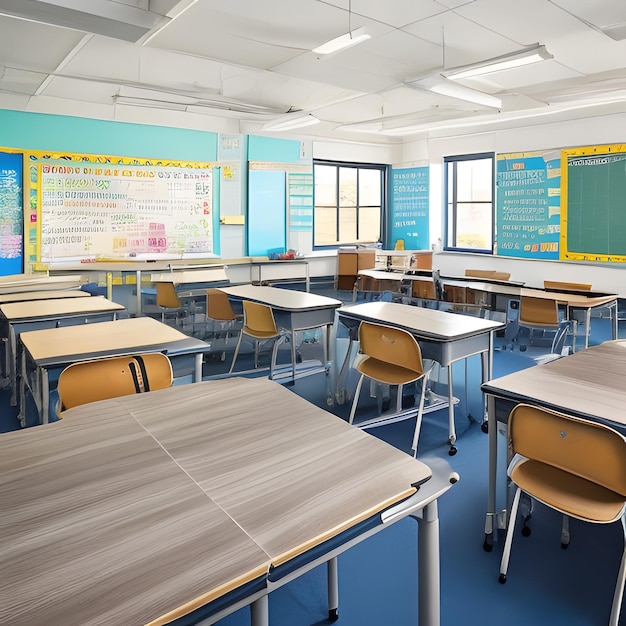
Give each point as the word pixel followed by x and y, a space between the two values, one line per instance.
pixel 11 213
pixel 528 205
pixel 593 226
pixel 408 216
pixel 95 208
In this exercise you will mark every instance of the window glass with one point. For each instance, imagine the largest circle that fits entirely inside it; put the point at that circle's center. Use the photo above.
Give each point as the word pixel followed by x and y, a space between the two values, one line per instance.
pixel 349 203
pixel 469 202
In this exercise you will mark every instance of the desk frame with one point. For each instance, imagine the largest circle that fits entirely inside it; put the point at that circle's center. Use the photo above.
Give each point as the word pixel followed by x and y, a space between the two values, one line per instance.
pixel 294 311
pixel 182 347
pixel 563 386
pixel 436 343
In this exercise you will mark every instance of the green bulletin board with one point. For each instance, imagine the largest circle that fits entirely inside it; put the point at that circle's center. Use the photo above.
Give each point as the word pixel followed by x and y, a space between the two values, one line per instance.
pixel 593 226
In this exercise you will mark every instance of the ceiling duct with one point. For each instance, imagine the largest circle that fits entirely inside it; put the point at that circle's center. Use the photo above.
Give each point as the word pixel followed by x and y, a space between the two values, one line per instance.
pixel 101 17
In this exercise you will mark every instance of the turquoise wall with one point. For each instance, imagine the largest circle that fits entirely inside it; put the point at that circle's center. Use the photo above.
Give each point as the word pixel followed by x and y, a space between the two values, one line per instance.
pixel 60 133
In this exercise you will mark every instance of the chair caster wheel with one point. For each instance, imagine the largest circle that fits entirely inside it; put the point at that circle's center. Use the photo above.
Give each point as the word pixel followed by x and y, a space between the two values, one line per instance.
pixel 522 348
pixel 452 451
pixel 526 531
pixel 502 579
pixel 485 427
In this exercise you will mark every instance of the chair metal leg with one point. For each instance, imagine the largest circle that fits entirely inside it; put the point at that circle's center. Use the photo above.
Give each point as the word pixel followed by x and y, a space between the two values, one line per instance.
pixel 506 553
pixel 357 391
pixel 619 586
pixel 420 414
pixel 230 371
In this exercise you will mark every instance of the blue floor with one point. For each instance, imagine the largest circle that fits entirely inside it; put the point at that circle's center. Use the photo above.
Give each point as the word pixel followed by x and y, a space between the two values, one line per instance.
pixel 378 578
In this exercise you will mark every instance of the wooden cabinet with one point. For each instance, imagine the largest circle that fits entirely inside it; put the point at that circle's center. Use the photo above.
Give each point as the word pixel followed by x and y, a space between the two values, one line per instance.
pixel 349 262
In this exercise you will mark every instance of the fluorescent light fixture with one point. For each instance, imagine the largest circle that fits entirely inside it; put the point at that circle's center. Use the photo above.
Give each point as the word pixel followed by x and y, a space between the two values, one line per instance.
pixel 439 84
pixel 533 54
pixel 342 42
pixel 498 118
pixel 289 123
pixel 469 95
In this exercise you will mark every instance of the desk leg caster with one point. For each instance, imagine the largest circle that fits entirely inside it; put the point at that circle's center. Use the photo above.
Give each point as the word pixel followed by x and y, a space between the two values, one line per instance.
pixel 485 426
pixel 333 615
pixel 452 451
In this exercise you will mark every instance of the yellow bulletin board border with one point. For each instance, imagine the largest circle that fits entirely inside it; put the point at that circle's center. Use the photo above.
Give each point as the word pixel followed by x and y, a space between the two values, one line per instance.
pixel 565 253
pixel 33 159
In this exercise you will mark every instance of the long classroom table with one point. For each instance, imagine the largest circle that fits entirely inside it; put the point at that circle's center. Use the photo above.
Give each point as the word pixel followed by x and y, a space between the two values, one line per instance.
pixel 52 349
pixel 38 282
pixel 443 337
pixel 476 293
pixel 590 384
pixel 294 311
pixel 197 499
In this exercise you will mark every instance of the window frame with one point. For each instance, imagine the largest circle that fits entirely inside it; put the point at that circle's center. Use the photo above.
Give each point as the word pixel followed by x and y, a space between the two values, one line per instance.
pixel 338 165
pixel 450 209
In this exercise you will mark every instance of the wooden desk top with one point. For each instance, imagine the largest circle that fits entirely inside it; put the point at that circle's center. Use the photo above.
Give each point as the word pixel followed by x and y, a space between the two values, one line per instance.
pixel 284 299
pixel 173 504
pixel 51 294
pixel 130 334
pixel 590 383
pixel 180 277
pixel 46 309
pixel 34 282
pixel 428 323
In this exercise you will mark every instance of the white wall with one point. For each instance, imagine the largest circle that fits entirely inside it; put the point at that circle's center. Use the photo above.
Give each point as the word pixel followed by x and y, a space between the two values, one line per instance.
pixel 591 131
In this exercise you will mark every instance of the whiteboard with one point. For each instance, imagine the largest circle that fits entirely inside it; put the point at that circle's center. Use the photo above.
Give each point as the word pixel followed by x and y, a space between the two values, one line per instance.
pixel 91 212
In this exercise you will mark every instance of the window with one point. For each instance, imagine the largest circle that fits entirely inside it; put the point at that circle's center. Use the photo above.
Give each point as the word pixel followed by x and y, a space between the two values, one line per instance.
pixel 469 186
pixel 349 203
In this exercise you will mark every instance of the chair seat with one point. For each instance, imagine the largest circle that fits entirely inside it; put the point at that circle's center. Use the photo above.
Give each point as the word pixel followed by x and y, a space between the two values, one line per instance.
pixel 571 494
pixel 387 372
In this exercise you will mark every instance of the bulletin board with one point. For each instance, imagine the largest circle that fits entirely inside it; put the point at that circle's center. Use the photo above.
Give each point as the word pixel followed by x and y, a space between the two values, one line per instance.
pixel 408 215
pixel 593 226
pixel 11 213
pixel 528 205
pixel 100 208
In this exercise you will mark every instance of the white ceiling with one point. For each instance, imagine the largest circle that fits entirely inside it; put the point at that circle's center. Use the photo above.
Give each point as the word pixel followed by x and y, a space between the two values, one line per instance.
pixel 250 61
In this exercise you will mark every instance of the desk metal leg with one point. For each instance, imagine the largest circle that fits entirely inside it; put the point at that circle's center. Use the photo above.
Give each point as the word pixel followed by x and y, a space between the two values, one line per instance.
pixel 259 612
pixel 490 521
pixel 12 356
pixel 429 610
pixel 451 427
pixel 197 375
pixel 333 590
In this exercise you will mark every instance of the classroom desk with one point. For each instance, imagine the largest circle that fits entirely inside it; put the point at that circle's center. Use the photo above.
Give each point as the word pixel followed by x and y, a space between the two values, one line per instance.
pixel 193 282
pixel 294 311
pixel 141 509
pixel 19 317
pixel 443 337
pixel 51 294
pixel 588 384
pixel 35 282
pixel 487 292
pixel 53 349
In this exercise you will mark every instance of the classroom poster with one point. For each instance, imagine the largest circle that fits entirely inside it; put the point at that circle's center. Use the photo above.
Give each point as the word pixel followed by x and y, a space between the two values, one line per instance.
pixel 528 205
pixel 408 216
pixel 11 214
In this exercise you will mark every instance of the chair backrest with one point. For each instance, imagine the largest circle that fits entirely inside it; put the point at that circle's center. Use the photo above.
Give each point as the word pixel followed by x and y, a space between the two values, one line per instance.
pixel 496 275
pixel 166 296
pixel 587 449
pixel 557 285
pixel 390 345
pixel 218 306
pixel 538 311
pixel 258 318
pixel 101 379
